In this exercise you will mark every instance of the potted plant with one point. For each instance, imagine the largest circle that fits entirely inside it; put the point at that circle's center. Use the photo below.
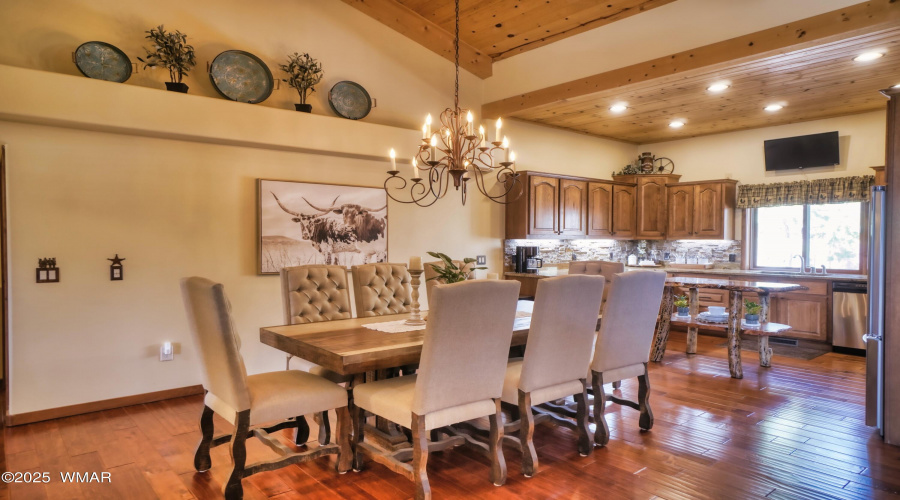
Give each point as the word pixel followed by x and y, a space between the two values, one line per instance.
pixel 171 51
pixel 304 73
pixel 751 311
pixel 683 305
pixel 449 272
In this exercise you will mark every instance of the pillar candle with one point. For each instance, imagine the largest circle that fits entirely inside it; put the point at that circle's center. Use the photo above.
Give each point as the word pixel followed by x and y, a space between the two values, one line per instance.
pixel 415 263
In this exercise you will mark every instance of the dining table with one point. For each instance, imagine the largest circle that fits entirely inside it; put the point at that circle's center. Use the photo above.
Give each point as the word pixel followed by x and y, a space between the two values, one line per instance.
pixel 734 324
pixel 349 348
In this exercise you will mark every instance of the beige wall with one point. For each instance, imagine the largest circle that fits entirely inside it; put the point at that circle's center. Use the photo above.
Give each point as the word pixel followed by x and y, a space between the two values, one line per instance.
pixel 739 155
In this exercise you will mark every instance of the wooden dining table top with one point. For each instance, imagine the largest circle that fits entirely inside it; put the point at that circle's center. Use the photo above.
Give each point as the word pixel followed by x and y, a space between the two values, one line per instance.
pixel 734 285
pixel 347 347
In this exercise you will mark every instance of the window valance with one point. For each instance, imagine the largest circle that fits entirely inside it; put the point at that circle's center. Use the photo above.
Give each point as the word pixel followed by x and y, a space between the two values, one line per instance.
pixel 814 192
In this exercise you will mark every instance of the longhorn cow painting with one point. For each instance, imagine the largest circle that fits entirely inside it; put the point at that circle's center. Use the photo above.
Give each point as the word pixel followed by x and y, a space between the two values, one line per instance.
pixel 304 223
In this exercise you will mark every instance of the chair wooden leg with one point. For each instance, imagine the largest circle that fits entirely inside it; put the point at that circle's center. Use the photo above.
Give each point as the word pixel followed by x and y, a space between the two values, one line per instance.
pixel 526 435
pixel 358 416
pixel 498 461
pixel 646 419
pixel 324 428
pixel 420 458
pixel 617 384
pixel 345 450
pixel 601 435
pixel 302 435
pixel 233 488
pixel 202 461
pixel 585 447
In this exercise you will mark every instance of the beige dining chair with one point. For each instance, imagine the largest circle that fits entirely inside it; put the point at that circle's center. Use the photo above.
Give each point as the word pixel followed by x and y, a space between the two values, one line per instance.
pixel 312 294
pixel 623 344
pixel 460 378
pixel 431 275
pixel 248 402
pixel 557 359
pixel 381 289
pixel 599 267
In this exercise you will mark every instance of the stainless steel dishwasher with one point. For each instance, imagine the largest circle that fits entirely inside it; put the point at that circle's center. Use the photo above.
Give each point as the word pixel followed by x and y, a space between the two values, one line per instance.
pixel 849 311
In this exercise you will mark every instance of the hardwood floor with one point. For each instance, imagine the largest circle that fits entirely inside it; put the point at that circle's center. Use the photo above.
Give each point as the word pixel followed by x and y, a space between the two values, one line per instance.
pixel 791 431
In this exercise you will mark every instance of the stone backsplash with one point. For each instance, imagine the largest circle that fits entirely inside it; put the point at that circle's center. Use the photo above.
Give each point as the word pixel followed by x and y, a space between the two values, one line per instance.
pixel 720 253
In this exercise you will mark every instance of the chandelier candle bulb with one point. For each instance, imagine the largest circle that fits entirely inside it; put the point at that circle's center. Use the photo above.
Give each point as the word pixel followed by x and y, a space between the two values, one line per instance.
pixel 480 135
pixel 433 145
pixel 499 126
pixel 470 124
pixel 424 132
pixel 415 169
pixel 512 156
pixel 428 125
pixel 393 160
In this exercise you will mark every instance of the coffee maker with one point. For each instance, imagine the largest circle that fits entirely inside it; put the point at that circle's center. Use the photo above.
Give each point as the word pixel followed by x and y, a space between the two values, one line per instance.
pixel 527 260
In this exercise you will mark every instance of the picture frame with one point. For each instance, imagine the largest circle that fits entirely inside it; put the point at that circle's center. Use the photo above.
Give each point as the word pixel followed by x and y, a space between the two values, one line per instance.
pixel 302 223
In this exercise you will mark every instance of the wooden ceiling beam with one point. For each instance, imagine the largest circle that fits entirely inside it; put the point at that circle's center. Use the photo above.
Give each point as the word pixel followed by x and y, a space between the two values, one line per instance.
pixel 428 34
pixel 852 21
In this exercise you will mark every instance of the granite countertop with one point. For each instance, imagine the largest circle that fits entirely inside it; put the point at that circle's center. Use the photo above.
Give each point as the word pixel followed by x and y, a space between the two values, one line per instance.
pixel 562 270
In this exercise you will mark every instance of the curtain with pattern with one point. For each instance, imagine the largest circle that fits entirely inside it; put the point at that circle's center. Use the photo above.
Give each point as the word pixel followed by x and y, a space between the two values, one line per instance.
pixel 814 192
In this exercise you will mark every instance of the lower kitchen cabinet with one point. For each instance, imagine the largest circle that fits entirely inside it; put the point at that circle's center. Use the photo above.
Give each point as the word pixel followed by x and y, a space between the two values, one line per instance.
pixel 807 315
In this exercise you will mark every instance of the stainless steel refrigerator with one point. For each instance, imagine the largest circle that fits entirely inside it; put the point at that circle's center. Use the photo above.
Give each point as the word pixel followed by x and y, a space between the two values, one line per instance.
pixel 874 337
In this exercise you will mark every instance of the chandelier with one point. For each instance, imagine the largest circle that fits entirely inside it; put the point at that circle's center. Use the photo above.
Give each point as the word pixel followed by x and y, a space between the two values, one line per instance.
pixel 456 153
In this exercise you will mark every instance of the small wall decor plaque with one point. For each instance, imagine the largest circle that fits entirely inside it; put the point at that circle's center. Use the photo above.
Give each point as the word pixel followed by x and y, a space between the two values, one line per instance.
pixel 116 271
pixel 47 272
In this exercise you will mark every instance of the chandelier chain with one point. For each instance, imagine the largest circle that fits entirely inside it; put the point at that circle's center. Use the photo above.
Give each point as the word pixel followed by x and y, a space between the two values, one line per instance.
pixel 456 56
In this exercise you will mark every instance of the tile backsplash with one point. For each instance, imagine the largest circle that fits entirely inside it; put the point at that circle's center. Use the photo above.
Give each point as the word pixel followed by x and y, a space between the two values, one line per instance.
pixel 716 252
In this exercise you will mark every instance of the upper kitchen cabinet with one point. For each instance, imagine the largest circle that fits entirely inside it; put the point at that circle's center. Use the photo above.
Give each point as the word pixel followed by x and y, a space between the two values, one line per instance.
pixel 611 210
pixel 651 203
pixel 701 210
pixel 549 207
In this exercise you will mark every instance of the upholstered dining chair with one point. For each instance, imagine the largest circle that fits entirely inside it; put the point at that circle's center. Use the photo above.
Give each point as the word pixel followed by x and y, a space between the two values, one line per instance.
pixel 557 359
pixel 381 289
pixel 599 267
pixel 248 402
pixel 311 294
pixel 622 349
pixel 430 274
pixel 460 378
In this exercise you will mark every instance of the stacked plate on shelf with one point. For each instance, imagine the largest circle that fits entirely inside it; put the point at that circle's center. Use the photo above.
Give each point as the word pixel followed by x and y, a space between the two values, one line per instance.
pixel 714 315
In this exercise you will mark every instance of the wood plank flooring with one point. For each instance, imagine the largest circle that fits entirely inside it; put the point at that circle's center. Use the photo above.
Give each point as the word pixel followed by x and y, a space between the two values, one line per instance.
pixel 792 431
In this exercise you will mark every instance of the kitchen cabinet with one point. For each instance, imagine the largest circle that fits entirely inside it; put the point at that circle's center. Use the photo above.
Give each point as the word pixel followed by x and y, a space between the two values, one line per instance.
pixel 701 210
pixel 543 193
pixel 611 210
pixel 573 207
pixel 807 315
pixel 651 201
pixel 550 206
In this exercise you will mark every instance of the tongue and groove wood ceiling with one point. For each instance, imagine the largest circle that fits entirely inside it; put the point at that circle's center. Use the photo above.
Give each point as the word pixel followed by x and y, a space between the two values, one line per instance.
pixel 807 65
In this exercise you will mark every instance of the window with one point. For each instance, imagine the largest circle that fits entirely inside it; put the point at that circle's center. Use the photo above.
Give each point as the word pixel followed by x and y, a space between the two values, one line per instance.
pixel 831 235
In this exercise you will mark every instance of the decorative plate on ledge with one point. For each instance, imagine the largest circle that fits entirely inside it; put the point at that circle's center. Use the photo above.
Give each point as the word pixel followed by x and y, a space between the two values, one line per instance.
pixel 102 61
pixel 241 76
pixel 350 100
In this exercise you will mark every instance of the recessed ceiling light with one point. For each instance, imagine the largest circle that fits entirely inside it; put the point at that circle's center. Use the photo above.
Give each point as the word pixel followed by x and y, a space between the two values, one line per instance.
pixel 868 56
pixel 718 87
pixel 618 107
pixel 773 107
pixel 676 123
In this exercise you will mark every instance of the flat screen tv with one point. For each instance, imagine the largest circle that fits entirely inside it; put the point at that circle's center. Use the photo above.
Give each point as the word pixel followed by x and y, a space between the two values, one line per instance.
pixel 805 151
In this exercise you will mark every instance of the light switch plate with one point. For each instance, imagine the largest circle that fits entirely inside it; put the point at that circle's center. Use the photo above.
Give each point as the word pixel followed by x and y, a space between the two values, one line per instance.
pixel 480 260
pixel 166 352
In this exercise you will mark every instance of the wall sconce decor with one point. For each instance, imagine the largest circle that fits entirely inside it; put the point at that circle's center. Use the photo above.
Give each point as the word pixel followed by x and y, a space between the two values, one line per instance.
pixel 47 272
pixel 116 271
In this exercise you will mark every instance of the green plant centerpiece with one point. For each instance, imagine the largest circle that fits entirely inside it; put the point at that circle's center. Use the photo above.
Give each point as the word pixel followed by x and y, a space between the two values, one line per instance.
pixel 751 311
pixel 171 51
pixel 304 73
pixel 683 305
pixel 450 272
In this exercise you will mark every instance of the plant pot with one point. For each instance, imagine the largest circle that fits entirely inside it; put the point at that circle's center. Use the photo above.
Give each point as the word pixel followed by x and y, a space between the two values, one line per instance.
pixel 751 318
pixel 177 87
pixel 306 108
pixel 684 311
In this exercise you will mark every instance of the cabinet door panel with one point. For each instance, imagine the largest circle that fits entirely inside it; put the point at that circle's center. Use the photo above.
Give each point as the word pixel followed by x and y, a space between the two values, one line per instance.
pixel 544 203
pixel 623 212
pixel 572 207
pixel 708 211
pixel 681 212
pixel 807 316
pixel 651 213
pixel 600 209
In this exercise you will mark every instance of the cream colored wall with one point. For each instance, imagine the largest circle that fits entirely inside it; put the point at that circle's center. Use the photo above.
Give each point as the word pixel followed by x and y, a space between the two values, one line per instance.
pixel 739 155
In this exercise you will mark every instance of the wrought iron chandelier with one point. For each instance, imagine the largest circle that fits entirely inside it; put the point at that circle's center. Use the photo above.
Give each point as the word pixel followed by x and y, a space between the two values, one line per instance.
pixel 456 153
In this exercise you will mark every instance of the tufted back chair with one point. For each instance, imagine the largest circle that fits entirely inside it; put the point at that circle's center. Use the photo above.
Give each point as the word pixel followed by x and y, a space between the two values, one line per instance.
pixel 315 293
pixel 381 289
pixel 608 270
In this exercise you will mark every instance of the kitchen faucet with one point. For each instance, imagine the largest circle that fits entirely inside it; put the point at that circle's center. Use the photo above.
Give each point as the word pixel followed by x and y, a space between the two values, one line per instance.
pixel 803 268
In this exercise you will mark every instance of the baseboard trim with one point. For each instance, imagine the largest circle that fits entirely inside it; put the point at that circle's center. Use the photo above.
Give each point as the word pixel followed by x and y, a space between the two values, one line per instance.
pixel 107 404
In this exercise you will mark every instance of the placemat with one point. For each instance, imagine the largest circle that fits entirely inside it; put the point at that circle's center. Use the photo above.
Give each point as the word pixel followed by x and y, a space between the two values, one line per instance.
pixel 398 326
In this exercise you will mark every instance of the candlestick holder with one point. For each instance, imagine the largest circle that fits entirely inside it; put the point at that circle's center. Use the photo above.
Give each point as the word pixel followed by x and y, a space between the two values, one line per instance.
pixel 416 318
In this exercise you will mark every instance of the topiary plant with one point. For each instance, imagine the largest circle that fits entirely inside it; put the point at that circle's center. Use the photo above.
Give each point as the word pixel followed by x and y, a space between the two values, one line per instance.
pixel 304 73
pixel 449 272
pixel 171 51
pixel 751 307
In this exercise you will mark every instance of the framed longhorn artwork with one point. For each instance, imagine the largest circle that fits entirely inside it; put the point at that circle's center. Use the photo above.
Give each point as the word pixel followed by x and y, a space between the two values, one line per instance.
pixel 306 223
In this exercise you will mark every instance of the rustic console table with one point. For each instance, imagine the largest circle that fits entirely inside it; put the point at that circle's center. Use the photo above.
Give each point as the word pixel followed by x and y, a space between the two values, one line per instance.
pixel 733 327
